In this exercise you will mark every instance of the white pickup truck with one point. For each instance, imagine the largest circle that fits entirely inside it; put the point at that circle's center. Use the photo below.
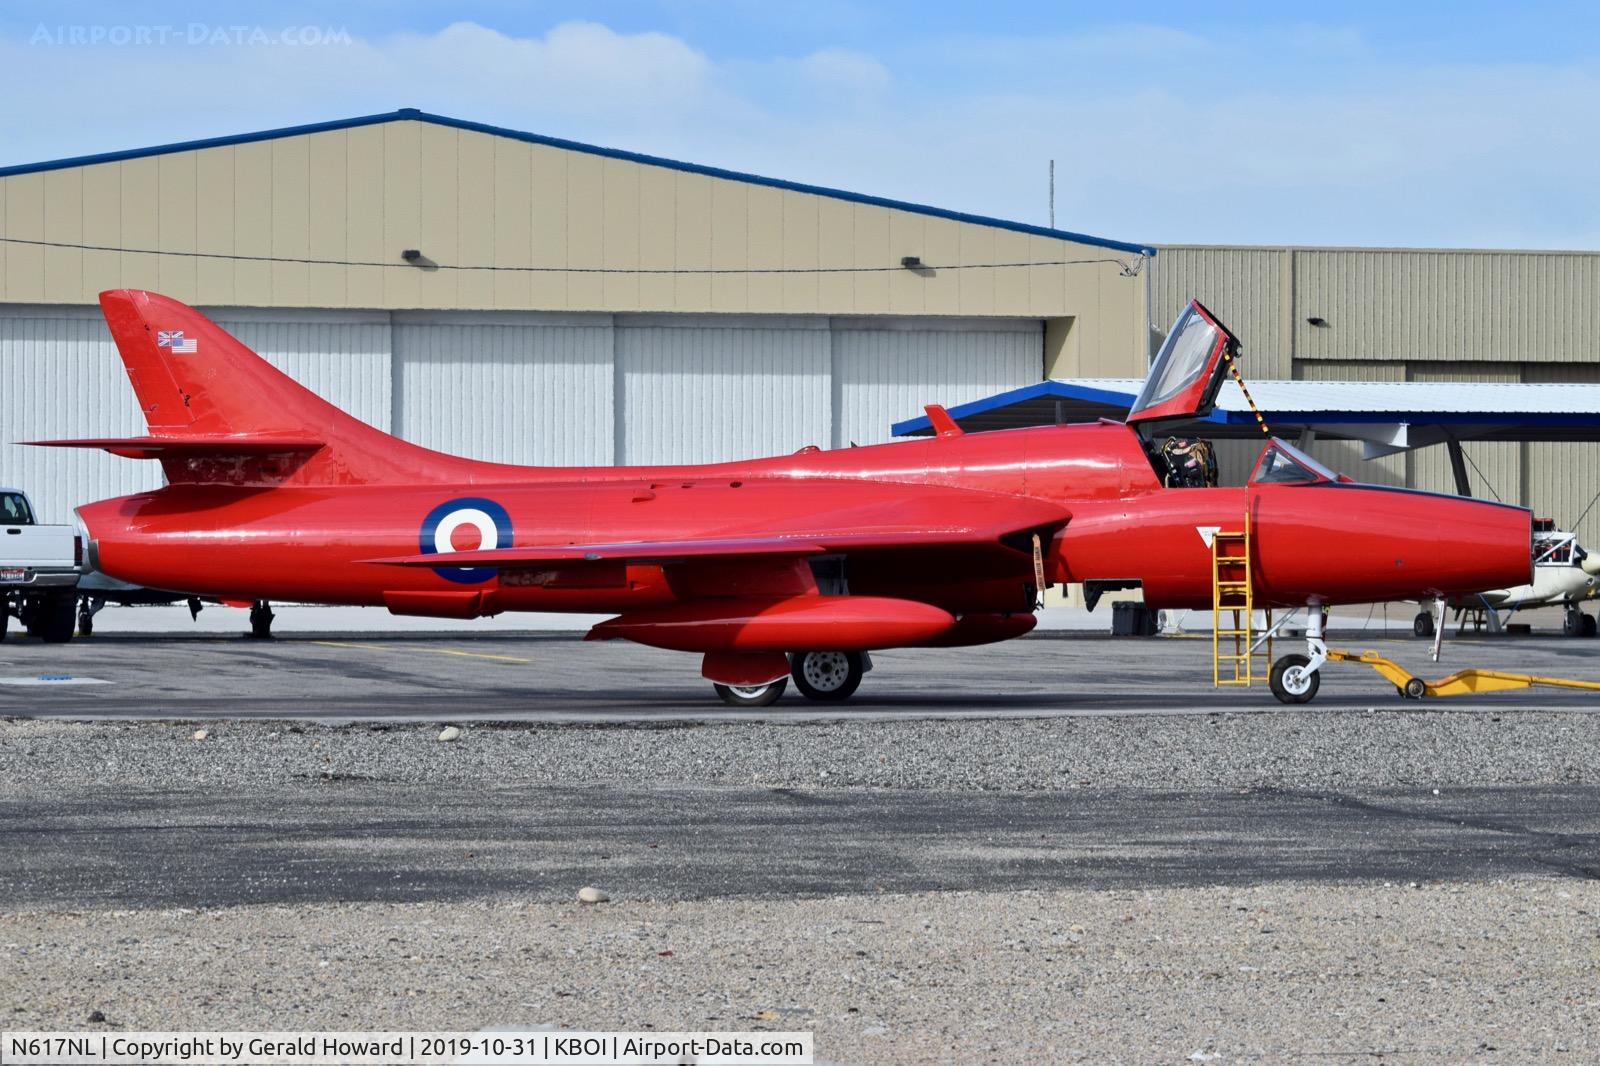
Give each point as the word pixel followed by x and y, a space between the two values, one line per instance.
pixel 39 567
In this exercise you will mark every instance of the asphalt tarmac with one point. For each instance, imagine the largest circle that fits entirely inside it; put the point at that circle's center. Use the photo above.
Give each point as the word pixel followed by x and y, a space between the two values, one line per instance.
pixel 558 678
pixel 365 842
pixel 114 815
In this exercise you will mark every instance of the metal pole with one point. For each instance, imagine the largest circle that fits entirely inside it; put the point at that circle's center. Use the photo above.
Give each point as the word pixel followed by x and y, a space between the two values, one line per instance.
pixel 1052 194
pixel 1458 466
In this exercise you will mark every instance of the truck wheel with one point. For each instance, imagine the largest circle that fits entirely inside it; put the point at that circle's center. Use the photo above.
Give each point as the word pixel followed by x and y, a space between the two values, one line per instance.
pixel 58 617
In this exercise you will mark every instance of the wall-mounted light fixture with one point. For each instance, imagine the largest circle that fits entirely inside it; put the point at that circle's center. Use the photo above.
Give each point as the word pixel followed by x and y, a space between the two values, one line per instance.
pixel 411 255
pixel 911 262
pixel 1318 321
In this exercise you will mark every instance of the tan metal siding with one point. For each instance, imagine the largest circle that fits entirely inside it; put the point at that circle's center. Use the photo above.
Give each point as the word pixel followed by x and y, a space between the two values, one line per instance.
pixel 474 199
pixel 1564 479
pixel 1447 306
pixel 1248 288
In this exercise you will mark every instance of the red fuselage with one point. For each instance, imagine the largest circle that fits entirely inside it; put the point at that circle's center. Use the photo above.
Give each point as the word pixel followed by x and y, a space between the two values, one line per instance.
pixel 1333 542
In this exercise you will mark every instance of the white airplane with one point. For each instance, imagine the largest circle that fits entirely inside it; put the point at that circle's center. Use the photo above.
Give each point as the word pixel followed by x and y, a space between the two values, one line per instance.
pixel 1564 574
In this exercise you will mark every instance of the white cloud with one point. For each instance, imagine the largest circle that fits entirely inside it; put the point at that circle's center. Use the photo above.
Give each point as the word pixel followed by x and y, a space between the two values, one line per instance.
pixel 1298 135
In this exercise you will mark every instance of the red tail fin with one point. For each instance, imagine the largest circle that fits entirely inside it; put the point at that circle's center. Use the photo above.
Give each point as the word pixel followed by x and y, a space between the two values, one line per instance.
pixel 218 412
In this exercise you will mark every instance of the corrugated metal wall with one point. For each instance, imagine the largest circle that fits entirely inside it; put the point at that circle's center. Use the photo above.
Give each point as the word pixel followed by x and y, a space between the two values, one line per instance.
pixel 1245 287
pixel 695 390
pixel 549 217
pixel 60 377
pixel 1505 307
pixel 882 369
pixel 1400 314
pixel 342 358
pixel 535 388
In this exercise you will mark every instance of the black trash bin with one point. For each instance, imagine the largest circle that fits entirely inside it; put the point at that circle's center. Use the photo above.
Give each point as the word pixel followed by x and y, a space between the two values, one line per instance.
pixel 1132 620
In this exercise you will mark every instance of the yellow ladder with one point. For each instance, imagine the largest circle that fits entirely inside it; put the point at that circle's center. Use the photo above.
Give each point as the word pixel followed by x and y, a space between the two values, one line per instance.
pixel 1233 597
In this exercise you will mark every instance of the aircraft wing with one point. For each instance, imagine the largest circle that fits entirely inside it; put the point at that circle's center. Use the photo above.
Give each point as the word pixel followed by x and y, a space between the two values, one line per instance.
pixel 971 519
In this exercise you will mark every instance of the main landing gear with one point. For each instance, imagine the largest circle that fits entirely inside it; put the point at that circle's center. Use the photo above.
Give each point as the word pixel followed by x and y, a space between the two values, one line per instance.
pixel 752 695
pixel 261 617
pixel 824 676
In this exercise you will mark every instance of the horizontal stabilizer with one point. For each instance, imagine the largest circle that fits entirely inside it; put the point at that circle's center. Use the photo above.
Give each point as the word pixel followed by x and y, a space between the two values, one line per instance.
pixel 188 446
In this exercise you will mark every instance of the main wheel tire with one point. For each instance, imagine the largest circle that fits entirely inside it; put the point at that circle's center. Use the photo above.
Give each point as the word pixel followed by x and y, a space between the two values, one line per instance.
pixel 85 622
pixel 1590 626
pixel 1422 625
pixel 261 621
pixel 829 676
pixel 1291 683
pixel 58 618
pixel 1572 622
pixel 751 695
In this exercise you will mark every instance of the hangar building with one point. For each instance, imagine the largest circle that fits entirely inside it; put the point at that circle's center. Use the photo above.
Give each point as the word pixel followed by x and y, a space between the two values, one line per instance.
pixel 563 304
pixel 1399 314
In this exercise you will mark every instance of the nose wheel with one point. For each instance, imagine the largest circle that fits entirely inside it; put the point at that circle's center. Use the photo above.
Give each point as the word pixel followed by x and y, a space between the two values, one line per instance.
pixel 1296 678
pixel 1293 681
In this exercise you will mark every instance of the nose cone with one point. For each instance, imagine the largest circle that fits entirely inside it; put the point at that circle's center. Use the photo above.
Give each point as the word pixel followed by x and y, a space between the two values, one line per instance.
pixel 1479 545
pixel 1347 543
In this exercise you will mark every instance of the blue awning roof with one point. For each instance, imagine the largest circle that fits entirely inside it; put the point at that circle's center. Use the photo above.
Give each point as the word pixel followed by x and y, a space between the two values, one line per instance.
pixel 1389 416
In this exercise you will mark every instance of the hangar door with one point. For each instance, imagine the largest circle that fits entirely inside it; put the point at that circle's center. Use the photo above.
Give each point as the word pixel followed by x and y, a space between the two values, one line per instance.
pixel 60 377
pixel 704 388
pixel 534 389
pixel 886 370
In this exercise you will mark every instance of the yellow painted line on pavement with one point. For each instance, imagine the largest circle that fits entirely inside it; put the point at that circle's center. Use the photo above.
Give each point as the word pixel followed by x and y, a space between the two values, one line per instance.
pixel 425 651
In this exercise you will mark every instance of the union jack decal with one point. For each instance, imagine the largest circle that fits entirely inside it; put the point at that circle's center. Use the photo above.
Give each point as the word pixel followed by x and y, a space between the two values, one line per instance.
pixel 174 339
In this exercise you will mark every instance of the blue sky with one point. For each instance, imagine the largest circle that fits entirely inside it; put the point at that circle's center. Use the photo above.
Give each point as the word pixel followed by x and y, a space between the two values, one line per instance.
pixel 1457 125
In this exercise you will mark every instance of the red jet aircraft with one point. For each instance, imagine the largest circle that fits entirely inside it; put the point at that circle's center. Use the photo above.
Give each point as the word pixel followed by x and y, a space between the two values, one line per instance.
pixel 793 565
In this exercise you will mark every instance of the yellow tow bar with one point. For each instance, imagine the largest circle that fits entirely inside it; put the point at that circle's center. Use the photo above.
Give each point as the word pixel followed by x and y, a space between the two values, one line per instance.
pixel 1460 683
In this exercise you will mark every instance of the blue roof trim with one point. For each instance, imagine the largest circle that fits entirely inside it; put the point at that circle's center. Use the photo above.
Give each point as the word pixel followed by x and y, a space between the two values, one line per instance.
pixel 1113 398
pixel 414 115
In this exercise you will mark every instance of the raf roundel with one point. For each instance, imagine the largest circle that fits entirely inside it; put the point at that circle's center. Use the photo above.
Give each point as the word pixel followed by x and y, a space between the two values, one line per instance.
pixel 469 523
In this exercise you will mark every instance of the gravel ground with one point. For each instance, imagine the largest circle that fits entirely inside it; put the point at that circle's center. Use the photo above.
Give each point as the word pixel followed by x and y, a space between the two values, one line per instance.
pixel 1493 972
pixel 1481 970
pixel 1357 749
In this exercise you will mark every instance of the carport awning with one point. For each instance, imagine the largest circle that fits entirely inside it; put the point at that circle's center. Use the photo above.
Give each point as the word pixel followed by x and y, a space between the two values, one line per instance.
pixel 1388 416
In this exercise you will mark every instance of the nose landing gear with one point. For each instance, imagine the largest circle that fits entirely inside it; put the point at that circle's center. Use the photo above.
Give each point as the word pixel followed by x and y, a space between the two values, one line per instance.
pixel 1296 678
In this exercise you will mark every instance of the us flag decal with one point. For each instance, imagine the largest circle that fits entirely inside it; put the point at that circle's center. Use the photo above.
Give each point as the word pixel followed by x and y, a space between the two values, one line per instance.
pixel 174 339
